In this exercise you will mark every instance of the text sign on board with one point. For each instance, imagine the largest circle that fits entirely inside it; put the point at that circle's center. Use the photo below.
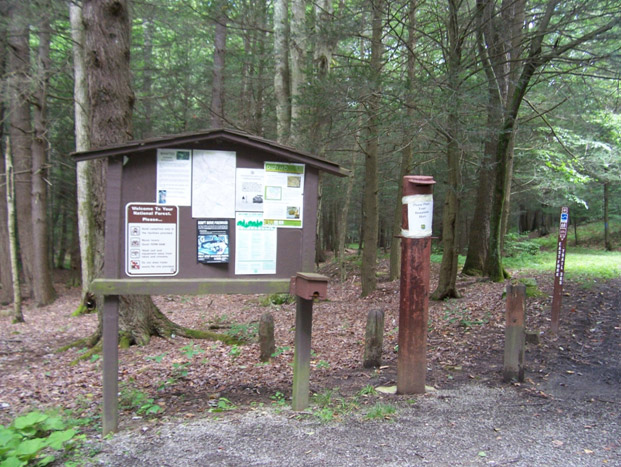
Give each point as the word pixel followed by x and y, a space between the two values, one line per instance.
pixel 152 240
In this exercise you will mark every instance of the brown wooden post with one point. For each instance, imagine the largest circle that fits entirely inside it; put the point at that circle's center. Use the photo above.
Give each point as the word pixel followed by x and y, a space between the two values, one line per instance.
pixel 414 287
pixel 113 234
pixel 373 339
pixel 559 272
pixel 306 287
pixel 514 333
pixel 301 358
pixel 110 422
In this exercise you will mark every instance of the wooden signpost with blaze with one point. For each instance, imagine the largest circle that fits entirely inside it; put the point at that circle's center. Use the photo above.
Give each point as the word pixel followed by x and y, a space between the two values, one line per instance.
pixel 559 272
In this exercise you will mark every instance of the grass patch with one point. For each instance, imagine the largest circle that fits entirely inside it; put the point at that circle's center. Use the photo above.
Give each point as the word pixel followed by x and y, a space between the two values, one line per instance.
pixel 579 263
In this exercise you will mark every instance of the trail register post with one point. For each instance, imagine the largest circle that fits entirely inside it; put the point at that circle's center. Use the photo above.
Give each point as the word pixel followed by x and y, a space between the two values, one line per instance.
pixel 211 212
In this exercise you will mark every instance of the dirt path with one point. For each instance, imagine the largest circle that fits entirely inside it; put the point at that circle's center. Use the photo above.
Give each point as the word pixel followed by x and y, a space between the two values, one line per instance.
pixel 567 413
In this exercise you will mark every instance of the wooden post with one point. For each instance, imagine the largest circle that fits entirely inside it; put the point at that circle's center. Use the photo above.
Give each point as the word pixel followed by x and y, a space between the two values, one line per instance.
pixel 514 334
pixel 417 214
pixel 266 337
pixel 559 272
pixel 112 262
pixel 110 364
pixel 374 338
pixel 301 359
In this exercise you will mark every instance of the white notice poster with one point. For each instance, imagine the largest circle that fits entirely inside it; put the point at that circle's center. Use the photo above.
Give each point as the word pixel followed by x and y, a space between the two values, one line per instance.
pixel 255 244
pixel 174 177
pixel 420 216
pixel 151 234
pixel 284 194
pixel 213 184
pixel 249 190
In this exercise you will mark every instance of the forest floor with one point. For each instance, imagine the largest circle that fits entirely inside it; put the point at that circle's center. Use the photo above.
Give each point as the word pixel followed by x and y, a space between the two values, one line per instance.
pixel 217 404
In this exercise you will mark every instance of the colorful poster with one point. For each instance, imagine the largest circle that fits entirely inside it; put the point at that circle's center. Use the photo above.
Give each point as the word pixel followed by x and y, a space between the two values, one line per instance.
pixel 255 244
pixel 249 190
pixel 174 177
pixel 213 183
pixel 284 194
pixel 213 241
pixel 152 240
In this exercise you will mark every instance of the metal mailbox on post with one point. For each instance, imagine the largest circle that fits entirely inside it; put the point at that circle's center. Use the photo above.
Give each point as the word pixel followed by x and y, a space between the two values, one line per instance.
pixel 217 211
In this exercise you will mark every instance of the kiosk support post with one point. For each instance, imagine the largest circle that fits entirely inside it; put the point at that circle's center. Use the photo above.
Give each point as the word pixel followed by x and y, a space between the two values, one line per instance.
pixel 414 287
pixel 306 287
pixel 110 364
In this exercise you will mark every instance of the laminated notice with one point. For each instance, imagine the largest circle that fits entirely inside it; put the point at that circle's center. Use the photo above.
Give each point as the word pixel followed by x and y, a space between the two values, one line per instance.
pixel 420 216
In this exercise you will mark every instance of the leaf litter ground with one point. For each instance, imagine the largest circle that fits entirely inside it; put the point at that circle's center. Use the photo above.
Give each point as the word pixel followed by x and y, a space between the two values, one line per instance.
pixel 188 379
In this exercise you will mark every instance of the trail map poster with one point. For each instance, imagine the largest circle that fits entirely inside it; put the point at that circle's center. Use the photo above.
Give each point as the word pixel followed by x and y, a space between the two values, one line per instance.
pixel 152 240
pixel 213 241
pixel 213 184
pixel 284 194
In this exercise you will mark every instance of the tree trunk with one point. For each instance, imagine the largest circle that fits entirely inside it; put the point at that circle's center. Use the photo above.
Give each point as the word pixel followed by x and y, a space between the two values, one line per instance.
pixel 281 72
pixel 370 192
pixel 342 221
pixel 86 170
pixel 43 288
pixel 607 242
pixel 407 152
pixel 217 88
pixel 6 282
pixel 20 131
pixel 447 287
pixel 297 50
pixel 18 317
pixel 111 99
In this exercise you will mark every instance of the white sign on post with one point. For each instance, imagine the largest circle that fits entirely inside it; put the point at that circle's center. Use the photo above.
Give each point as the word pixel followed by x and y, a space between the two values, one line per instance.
pixel 420 216
pixel 152 238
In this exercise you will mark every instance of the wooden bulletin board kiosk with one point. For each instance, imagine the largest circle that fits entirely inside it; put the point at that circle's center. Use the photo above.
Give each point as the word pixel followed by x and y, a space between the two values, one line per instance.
pixel 216 211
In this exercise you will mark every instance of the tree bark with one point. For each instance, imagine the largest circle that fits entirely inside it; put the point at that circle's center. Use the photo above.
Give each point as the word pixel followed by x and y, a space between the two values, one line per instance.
pixel 18 317
pixel 20 131
pixel 370 193
pixel 86 170
pixel 407 152
pixel 607 242
pixel 297 51
pixel 6 282
pixel 447 287
pixel 217 88
pixel 43 288
pixel 281 72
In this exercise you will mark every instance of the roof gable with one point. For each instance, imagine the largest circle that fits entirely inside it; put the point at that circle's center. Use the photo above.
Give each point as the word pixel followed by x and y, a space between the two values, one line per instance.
pixel 215 135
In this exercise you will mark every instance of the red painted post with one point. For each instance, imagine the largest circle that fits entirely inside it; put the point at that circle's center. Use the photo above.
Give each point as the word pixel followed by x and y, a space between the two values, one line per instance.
pixel 559 272
pixel 414 288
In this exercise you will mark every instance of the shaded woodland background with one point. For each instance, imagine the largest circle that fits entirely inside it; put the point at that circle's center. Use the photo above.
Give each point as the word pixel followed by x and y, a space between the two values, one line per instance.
pixel 513 106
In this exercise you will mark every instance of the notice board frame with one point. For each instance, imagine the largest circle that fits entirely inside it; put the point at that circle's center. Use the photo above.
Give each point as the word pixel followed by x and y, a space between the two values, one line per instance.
pixel 115 282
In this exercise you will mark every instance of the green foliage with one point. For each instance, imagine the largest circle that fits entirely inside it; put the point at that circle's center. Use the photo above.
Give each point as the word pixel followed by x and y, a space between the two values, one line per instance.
pixel 244 332
pixel 516 244
pixel 381 411
pixel 34 438
pixel 281 350
pixel 278 399
pixel 368 390
pixel 235 351
pixel 322 364
pixel 135 400
pixel 191 350
pixel 276 299
pixel 222 405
